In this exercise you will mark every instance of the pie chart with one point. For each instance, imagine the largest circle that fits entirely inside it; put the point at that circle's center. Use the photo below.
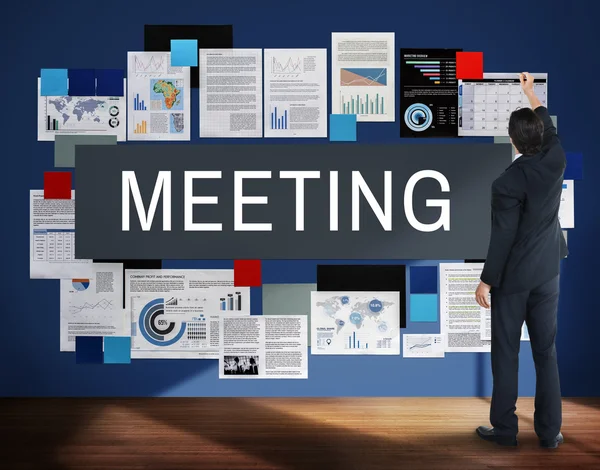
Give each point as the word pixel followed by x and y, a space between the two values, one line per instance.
pixel 81 284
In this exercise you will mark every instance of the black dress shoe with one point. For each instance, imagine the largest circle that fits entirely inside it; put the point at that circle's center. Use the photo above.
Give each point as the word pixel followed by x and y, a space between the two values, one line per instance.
pixel 489 434
pixel 552 443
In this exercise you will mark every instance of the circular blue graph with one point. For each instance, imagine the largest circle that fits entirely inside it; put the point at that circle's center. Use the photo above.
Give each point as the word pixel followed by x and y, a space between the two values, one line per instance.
pixel 418 117
pixel 157 330
pixel 356 318
pixel 345 299
pixel 375 306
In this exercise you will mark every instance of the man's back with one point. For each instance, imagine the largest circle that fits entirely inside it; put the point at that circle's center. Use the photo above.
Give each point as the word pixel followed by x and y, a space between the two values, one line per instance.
pixel 537 246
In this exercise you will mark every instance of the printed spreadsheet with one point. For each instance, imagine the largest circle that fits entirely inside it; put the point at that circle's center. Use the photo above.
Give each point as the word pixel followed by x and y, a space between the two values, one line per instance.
pixel 485 105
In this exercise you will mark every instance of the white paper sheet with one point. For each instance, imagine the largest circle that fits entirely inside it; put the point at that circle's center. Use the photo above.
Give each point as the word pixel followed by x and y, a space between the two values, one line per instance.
pixel 355 323
pixel 486 326
pixel 263 347
pixel 460 314
pixel 295 93
pixel 81 115
pixel 52 239
pixel 566 212
pixel 175 312
pixel 158 98
pixel 422 346
pixel 362 75
pixel 93 306
pixel 230 92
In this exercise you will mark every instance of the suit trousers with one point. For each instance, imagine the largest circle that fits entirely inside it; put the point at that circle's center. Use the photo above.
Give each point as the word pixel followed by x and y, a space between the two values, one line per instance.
pixel 538 309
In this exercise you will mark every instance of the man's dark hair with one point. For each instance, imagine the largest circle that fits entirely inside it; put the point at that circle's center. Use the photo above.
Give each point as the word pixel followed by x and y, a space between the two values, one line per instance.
pixel 526 130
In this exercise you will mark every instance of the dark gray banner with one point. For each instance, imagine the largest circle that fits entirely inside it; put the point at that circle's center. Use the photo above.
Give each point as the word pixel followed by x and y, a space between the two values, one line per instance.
pixel 422 201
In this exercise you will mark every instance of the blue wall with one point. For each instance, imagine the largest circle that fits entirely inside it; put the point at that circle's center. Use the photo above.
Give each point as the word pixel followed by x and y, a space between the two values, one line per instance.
pixel 513 35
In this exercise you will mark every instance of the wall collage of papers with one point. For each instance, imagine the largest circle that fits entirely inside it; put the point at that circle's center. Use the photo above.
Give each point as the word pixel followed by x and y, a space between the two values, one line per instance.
pixel 112 314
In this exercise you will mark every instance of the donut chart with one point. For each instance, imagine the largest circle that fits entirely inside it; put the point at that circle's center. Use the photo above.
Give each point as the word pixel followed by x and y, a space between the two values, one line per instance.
pixel 157 330
pixel 418 117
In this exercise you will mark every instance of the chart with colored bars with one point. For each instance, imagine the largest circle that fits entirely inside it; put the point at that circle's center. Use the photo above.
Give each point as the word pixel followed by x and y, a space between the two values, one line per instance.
pixel 485 105
pixel 233 302
pixel 141 127
pixel 354 343
pixel 429 89
pixel 362 101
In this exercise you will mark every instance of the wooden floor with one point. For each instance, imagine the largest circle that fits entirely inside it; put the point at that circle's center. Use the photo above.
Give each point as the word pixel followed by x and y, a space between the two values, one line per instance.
pixel 282 433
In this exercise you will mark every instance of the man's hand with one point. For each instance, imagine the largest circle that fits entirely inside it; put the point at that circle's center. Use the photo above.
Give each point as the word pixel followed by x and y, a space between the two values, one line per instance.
pixel 482 294
pixel 526 82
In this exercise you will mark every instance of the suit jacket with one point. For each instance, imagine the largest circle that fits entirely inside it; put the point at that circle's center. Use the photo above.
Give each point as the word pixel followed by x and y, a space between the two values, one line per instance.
pixel 526 243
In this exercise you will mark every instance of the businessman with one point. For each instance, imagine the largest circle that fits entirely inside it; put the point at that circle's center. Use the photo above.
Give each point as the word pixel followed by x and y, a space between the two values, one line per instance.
pixel 521 272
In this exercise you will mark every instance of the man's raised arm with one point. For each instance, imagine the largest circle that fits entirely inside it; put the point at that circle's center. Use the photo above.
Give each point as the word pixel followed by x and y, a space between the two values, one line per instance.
pixel 550 137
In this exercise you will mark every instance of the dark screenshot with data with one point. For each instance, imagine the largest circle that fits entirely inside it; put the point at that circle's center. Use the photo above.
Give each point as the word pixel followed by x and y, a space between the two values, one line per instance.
pixel 429 97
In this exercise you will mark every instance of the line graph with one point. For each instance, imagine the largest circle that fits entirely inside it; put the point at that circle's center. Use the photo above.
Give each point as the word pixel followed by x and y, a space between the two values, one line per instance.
pixel 426 343
pixel 363 77
pixel 291 66
pixel 103 304
pixel 154 64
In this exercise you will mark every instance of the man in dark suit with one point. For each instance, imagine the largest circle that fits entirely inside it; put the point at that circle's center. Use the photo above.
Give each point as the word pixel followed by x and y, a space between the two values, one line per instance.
pixel 521 272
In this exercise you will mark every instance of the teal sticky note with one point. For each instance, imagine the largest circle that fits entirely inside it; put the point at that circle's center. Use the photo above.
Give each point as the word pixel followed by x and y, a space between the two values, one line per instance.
pixel 423 307
pixel 342 127
pixel 184 52
pixel 54 82
pixel 117 350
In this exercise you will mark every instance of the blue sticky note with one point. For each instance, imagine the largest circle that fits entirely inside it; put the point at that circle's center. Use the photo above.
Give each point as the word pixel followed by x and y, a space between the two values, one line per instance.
pixel 88 350
pixel 109 82
pixel 423 307
pixel 423 279
pixel 342 127
pixel 117 350
pixel 184 52
pixel 574 169
pixel 82 82
pixel 54 82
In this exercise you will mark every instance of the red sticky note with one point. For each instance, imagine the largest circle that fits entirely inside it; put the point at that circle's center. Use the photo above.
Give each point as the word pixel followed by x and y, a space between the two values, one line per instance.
pixel 469 65
pixel 247 273
pixel 57 185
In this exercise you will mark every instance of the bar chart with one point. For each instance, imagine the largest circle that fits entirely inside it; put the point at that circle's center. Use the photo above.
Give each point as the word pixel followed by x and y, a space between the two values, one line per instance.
pixel 138 105
pixel 429 69
pixel 368 103
pixel 51 124
pixel 354 343
pixel 278 120
pixel 141 128
pixel 233 302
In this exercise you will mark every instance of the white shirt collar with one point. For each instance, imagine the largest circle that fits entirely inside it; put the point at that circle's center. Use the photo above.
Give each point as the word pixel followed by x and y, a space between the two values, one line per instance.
pixel 517 156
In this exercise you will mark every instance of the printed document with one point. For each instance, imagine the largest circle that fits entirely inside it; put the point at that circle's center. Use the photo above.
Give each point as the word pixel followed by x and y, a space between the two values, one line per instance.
pixel 175 312
pixel 362 75
pixel 295 93
pixel 158 97
pixel 93 306
pixel 230 92
pixel 52 239
pixel 486 326
pixel 423 345
pixel 460 314
pixel 566 211
pixel 81 115
pixel 263 347
pixel 355 323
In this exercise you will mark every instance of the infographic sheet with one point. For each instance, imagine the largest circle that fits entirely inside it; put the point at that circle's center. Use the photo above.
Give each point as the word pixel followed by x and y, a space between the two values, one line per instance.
pixel 93 306
pixel 158 97
pixel 175 312
pixel 81 115
pixel 363 76
pixel 355 323
pixel 295 92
